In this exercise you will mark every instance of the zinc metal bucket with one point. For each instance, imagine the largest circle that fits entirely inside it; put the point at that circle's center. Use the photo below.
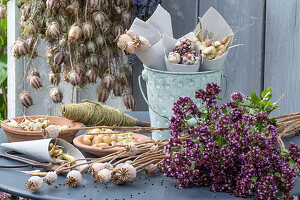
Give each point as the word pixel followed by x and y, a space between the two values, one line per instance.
pixel 164 88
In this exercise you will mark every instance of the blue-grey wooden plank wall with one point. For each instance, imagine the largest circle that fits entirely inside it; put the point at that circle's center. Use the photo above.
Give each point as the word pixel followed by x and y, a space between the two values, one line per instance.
pixel 269 57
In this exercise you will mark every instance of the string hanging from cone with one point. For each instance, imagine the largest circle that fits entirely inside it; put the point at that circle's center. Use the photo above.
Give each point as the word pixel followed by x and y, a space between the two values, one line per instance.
pixel 92 113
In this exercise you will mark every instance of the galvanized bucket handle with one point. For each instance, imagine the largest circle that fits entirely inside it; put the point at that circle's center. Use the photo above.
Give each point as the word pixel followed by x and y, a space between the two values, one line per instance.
pixel 161 115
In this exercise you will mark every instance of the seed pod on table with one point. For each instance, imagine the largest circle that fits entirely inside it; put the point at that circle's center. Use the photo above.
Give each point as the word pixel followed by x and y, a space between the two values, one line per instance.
pixel 54 29
pixel 118 89
pixel 34 72
pixel 50 4
pixel 25 99
pixel 56 95
pixel 73 8
pixel 99 41
pixel 74 78
pixel 35 82
pixel 98 19
pixel 107 82
pixel 58 58
pixel 91 76
pixel 75 32
pixel 103 95
pixel 91 47
pixel 54 78
pixel 88 30
pixel 2 12
pixel 129 101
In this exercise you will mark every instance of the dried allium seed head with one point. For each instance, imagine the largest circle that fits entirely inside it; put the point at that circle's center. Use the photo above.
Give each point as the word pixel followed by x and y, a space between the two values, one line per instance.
pixel 55 29
pixel 91 47
pixel 34 72
pixel 25 99
pixel 151 169
pixel 34 183
pixel 99 41
pixel 91 76
pixel 129 101
pixel 74 78
pixel 75 32
pixel 98 19
pixel 50 178
pixel 56 95
pixel 126 18
pixel 118 89
pixel 50 4
pixel 107 82
pixel 73 8
pixel 94 61
pixel 73 179
pixel 2 12
pixel 59 58
pixel 31 42
pixel 93 3
pixel 118 30
pixel 88 30
pixel 54 78
pixel 103 95
pixel 35 82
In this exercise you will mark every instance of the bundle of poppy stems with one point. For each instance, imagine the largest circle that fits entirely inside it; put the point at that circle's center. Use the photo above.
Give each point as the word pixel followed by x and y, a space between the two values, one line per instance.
pixel 118 167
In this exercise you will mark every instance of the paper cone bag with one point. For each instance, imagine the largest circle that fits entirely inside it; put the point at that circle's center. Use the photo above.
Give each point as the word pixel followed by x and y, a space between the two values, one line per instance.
pixel 169 44
pixel 39 148
pixel 158 24
pixel 214 23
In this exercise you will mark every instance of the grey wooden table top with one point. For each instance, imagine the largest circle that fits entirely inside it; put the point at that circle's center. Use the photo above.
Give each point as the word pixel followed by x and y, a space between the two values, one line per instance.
pixel 143 187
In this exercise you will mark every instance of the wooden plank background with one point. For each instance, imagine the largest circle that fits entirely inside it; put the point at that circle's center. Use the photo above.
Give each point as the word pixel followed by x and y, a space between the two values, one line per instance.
pixel 269 57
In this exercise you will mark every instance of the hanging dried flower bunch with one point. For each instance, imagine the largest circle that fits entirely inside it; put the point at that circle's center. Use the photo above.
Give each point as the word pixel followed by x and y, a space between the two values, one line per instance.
pixel 81 47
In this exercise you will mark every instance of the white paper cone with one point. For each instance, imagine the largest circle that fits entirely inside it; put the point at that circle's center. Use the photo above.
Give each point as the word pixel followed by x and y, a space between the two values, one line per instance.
pixel 39 148
pixel 162 21
pixel 214 23
pixel 173 67
pixel 169 43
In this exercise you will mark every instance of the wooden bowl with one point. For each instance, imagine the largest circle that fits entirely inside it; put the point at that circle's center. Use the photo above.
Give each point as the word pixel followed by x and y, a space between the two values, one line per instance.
pixel 18 135
pixel 103 152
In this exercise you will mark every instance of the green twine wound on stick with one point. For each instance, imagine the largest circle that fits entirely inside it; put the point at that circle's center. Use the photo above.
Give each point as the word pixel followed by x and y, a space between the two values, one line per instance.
pixel 92 113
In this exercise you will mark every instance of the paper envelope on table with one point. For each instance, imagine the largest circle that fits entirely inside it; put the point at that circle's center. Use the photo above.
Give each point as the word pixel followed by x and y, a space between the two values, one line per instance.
pixel 214 23
pixel 169 44
pixel 153 29
pixel 39 148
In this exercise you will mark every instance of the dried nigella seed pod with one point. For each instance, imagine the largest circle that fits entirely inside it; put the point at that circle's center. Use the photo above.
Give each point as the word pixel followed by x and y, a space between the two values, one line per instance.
pixel 35 82
pixel 74 78
pixel 54 78
pixel 56 95
pixel 75 32
pixel 118 89
pixel 91 76
pixel 50 4
pixel 123 79
pixel 59 58
pixel 118 30
pixel 2 12
pixel 107 82
pixel 94 61
pixel 103 95
pixel 129 101
pixel 93 3
pixel 99 19
pixel 126 3
pixel 31 28
pixel 100 41
pixel 107 52
pixel 55 68
pixel 88 30
pixel 73 8
pixel 34 72
pixel 54 29
pixel 82 50
pixel 126 18
pixel 105 27
pixel 104 4
pixel 25 99
pixel 25 11
pixel 91 47
pixel 31 42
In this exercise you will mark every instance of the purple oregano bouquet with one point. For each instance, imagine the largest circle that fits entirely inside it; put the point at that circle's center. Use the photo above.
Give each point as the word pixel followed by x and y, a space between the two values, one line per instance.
pixel 232 147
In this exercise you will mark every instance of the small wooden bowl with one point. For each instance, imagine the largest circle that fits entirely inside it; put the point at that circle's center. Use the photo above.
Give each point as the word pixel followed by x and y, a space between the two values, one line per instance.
pixel 103 152
pixel 18 135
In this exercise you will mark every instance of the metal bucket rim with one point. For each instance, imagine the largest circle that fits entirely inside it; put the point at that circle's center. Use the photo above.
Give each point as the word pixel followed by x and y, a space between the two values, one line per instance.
pixel 183 73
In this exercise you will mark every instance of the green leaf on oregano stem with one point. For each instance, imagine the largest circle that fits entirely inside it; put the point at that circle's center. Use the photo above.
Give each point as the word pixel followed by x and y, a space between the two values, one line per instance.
pixel 181 149
pixel 277 174
pixel 254 178
pixel 188 117
pixel 194 138
pixel 282 180
pixel 224 110
pixel 202 148
pixel 255 99
pixel 193 167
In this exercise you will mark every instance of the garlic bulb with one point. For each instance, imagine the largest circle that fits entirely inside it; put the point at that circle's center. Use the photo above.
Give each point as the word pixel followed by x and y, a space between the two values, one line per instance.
pixel 131 34
pixel 144 44
pixel 50 178
pixel 174 57
pixel 91 76
pixel 118 89
pixel 131 48
pixel 73 179
pixel 123 40
pixel 34 183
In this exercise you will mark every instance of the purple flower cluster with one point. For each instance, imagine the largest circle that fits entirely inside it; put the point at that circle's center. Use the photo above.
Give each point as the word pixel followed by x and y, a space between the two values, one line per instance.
pixel 4 195
pixel 228 149
pixel 144 8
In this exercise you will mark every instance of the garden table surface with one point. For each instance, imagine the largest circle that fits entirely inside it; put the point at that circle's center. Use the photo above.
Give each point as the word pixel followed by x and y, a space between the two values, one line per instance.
pixel 155 187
